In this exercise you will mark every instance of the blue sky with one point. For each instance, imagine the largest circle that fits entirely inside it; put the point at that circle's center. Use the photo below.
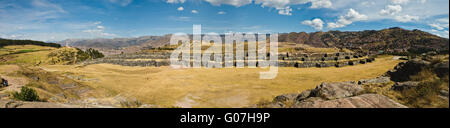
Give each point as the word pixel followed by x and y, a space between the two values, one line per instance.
pixel 54 20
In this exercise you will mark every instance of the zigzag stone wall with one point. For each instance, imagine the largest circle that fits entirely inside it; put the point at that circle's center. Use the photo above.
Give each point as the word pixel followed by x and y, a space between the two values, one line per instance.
pixel 300 60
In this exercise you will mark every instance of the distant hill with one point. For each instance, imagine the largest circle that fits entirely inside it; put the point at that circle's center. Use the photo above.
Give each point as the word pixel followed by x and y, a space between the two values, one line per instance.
pixel 121 44
pixel 392 40
pixel 6 42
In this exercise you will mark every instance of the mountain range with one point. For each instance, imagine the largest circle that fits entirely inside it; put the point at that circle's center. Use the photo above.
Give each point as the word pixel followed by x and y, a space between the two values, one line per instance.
pixel 390 40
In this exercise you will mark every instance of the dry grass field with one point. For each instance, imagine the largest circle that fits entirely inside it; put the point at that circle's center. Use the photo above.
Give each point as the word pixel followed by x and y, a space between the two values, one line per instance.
pixel 169 87
pixel 24 54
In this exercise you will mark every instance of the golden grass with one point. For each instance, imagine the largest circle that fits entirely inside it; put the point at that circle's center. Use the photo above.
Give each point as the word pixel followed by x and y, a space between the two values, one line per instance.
pixel 34 55
pixel 15 48
pixel 303 48
pixel 169 87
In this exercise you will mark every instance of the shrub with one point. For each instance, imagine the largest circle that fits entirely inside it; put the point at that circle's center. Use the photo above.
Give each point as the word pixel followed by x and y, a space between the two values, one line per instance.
pixel 425 95
pixel 425 74
pixel 26 94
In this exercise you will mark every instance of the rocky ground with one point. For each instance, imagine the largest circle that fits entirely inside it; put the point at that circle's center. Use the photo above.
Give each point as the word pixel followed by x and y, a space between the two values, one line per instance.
pixel 405 86
pixel 336 95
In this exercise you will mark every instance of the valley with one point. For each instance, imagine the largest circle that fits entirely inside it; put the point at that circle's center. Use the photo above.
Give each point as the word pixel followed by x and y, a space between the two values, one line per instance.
pixel 82 77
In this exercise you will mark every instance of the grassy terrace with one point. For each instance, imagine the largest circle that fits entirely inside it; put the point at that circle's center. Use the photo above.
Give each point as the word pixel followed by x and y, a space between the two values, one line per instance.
pixel 24 54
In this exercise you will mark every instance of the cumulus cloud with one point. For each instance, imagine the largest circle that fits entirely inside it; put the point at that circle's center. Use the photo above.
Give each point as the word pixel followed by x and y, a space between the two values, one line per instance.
pixel 236 3
pixel 368 3
pixel 422 1
pixel 406 1
pixel 285 3
pixel 180 8
pixel 282 6
pixel 440 24
pixel 194 11
pixel 443 20
pixel 437 26
pixel 285 11
pixel 100 27
pixel 98 31
pixel 321 4
pixel 406 18
pixel 391 10
pixel 349 18
pixel 443 34
pixel 221 12
pixel 399 1
pixel 175 1
pixel 315 23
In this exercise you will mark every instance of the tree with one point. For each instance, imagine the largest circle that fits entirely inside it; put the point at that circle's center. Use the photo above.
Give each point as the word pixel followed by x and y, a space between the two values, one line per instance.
pixel 94 54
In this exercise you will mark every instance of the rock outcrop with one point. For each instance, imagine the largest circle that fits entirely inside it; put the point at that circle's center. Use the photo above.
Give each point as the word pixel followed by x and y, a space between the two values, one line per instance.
pixel 361 101
pixel 400 86
pixel 441 69
pixel 22 104
pixel 337 95
pixel 378 80
pixel 392 84
pixel 331 91
pixel 403 70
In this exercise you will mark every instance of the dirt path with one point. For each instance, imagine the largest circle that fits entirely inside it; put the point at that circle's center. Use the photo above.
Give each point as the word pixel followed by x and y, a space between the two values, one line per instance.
pixel 15 83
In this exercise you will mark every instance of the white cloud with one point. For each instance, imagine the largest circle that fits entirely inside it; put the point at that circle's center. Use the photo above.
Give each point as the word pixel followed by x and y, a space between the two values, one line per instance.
pixel 16 18
pixel 406 18
pixel 443 34
pixel 236 3
pixel 443 20
pixel 98 31
pixel 121 2
pixel 321 4
pixel 100 27
pixel 349 18
pixel 97 22
pixel 422 1
pixel 316 23
pixel 175 1
pixel 46 4
pixel 391 10
pixel 437 26
pixel 285 11
pixel 282 6
pixel 194 11
pixel 440 24
pixel 280 3
pixel 180 8
pixel 406 1
pixel 399 1
pixel 285 3
pixel 368 3
pixel 221 12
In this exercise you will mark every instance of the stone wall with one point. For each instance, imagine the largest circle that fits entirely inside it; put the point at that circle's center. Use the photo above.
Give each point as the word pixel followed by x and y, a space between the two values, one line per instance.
pixel 299 60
